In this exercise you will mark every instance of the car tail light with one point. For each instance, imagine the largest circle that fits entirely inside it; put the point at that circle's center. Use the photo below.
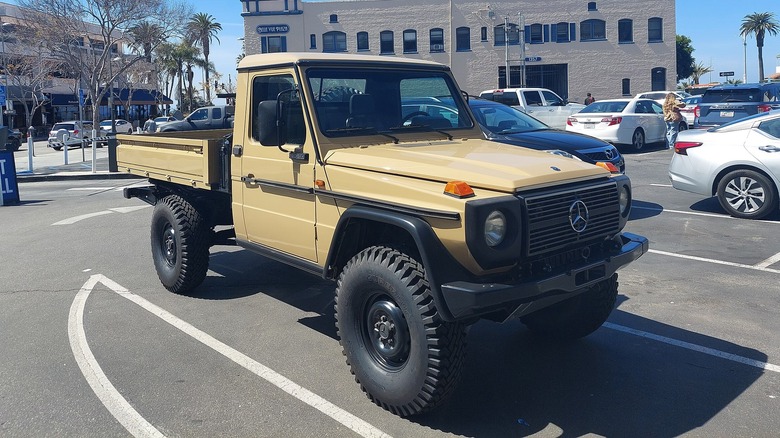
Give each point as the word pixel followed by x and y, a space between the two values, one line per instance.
pixel 570 121
pixel 612 120
pixel 696 111
pixel 681 147
pixel 75 132
pixel 764 108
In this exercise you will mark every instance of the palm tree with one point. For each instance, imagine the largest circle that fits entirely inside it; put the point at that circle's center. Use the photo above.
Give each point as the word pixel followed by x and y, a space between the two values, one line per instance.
pixel 203 29
pixel 146 35
pixel 699 70
pixel 759 24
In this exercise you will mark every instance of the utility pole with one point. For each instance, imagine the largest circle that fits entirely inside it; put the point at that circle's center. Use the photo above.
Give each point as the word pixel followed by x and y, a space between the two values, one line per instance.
pixel 506 51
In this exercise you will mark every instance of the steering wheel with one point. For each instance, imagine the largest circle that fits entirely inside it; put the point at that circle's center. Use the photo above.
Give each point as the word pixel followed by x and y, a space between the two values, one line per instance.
pixel 413 114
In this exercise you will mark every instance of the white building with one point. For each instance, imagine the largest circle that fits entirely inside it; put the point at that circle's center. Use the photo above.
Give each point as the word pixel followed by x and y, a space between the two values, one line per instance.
pixel 610 48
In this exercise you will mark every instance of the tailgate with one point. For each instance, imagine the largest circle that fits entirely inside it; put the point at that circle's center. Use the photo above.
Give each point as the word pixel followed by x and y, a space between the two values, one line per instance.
pixel 190 158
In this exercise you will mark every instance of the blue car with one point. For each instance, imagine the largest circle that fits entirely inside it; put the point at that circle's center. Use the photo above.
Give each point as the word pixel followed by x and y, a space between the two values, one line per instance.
pixel 505 124
pixel 726 103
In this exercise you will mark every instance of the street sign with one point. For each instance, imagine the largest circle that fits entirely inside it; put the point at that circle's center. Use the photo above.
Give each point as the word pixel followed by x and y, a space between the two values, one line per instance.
pixel 2 94
pixel 81 96
pixel 9 189
pixel 726 73
pixel 533 58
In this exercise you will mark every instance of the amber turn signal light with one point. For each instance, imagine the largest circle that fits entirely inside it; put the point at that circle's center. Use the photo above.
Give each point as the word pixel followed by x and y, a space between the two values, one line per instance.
pixel 458 189
pixel 609 166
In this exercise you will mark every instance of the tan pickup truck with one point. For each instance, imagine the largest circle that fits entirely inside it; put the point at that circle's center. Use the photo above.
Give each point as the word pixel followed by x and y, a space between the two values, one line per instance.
pixel 424 226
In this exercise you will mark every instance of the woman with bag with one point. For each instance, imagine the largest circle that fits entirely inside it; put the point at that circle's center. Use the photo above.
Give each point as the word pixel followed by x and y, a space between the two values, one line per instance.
pixel 672 117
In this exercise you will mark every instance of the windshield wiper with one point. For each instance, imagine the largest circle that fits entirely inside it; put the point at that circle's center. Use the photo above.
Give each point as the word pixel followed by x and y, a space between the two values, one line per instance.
pixel 366 130
pixel 425 128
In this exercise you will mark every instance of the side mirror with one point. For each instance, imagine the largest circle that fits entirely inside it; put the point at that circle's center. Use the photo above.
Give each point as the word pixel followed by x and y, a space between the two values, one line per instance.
pixel 267 123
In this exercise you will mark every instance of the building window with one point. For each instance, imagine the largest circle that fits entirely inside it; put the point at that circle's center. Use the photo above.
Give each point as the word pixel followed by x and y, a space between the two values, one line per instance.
pixel 483 33
pixel 655 32
pixel 536 36
pixel 561 32
pixel 273 44
pixel 592 6
pixel 334 18
pixel 626 87
pixel 500 37
pixel 625 31
pixel 386 42
pixel 410 41
pixel 362 41
pixel 462 39
pixel 658 79
pixel 334 41
pixel 312 41
pixel 437 40
pixel 593 30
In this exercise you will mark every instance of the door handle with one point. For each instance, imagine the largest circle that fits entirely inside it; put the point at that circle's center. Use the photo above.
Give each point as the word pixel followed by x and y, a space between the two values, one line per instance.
pixel 769 148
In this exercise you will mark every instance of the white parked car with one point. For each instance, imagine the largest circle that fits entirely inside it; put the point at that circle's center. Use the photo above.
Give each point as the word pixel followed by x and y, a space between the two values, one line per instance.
pixel 630 122
pixel 122 126
pixel 71 132
pixel 659 96
pixel 739 162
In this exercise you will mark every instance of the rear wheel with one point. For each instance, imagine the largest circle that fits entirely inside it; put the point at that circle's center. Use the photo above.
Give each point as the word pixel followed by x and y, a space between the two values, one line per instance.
pixel 747 194
pixel 179 244
pixel 638 140
pixel 578 316
pixel 405 358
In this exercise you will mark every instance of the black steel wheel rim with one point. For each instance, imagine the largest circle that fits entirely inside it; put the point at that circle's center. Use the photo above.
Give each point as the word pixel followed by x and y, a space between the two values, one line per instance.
pixel 168 244
pixel 386 332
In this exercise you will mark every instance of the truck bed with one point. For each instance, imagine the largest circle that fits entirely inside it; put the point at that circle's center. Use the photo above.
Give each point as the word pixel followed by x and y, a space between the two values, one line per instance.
pixel 190 158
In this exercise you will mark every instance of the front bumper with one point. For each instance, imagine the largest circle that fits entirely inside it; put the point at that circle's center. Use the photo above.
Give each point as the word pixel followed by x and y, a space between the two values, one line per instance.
pixel 468 299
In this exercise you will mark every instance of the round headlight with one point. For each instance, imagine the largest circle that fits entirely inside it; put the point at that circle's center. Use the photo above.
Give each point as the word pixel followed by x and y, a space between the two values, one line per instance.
pixel 495 228
pixel 624 200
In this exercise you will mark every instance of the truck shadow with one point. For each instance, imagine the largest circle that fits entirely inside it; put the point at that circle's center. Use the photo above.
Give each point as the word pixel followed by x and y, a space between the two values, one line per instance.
pixel 611 383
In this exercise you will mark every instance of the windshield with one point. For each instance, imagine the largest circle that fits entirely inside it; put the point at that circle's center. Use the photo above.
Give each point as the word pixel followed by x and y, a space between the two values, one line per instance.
pixel 504 120
pixel 356 101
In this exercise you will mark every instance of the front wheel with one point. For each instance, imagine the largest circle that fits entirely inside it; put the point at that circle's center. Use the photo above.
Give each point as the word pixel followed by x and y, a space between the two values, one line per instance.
pixel 179 244
pixel 578 316
pixel 405 358
pixel 747 194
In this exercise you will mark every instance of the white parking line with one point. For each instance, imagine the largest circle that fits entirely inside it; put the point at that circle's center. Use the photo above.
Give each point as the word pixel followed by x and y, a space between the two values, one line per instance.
pixel 756 267
pixel 694 213
pixel 75 219
pixel 769 261
pixel 129 418
pixel 695 347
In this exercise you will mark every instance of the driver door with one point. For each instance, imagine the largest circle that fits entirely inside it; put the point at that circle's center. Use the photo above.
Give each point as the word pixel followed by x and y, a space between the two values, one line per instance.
pixel 277 192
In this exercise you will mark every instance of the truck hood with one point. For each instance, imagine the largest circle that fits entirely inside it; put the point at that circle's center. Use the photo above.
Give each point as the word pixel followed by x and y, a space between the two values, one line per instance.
pixel 480 163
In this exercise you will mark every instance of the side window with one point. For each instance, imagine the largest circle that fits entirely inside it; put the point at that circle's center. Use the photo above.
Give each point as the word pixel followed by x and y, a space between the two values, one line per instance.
pixel 268 88
pixel 216 113
pixel 201 114
pixel 552 99
pixel 657 108
pixel 532 98
pixel 771 127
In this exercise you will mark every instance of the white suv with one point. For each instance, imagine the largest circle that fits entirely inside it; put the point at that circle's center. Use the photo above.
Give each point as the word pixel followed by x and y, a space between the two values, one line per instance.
pixel 71 133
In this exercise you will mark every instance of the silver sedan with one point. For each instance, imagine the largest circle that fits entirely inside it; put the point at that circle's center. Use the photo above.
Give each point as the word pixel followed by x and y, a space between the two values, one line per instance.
pixel 739 162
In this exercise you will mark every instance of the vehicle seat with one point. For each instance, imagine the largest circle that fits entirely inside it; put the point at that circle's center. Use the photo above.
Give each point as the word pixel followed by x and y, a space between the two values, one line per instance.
pixel 506 124
pixel 362 112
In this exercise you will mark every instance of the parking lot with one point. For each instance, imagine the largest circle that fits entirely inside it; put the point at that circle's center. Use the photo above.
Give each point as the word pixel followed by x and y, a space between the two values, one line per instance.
pixel 95 346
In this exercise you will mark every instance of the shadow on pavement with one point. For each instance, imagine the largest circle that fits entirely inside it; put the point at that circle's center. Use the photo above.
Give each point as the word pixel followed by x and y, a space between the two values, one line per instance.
pixel 610 383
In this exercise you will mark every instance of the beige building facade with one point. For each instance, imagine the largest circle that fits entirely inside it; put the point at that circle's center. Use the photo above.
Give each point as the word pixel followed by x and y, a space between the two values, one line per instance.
pixel 610 48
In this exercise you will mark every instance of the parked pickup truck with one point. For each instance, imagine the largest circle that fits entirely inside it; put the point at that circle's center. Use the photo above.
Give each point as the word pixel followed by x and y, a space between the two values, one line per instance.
pixel 541 103
pixel 207 117
pixel 425 226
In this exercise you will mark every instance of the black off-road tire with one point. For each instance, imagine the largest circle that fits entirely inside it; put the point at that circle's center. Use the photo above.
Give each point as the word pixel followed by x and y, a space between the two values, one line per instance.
pixel 405 358
pixel 578 316
pixel 747 194
pixel 180 244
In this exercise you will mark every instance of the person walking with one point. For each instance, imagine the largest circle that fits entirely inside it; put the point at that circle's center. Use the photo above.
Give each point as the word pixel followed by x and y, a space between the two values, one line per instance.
pixel 150 125
pixel 672 117
pixel 589 99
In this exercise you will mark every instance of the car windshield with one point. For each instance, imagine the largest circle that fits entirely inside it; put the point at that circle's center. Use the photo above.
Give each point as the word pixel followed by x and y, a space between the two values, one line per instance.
pixel 106 123
pixel 360 101
pixel 503 120
pixel 605 107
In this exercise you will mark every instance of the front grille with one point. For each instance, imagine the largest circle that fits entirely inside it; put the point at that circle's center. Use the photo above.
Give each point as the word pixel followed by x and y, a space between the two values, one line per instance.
pixel 549 227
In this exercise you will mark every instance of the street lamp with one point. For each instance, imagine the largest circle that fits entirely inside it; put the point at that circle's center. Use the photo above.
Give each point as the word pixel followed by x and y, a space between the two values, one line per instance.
pixel 5 73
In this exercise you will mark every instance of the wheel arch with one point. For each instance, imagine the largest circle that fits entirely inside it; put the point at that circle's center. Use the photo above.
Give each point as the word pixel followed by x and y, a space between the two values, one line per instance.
pixel 741 166
pixel 360 227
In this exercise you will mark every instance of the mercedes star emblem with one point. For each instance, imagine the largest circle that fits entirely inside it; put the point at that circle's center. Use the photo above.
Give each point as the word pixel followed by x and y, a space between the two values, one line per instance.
pixel 578 216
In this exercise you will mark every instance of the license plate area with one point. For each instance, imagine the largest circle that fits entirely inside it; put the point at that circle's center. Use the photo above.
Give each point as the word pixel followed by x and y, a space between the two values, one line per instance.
pixel 727 113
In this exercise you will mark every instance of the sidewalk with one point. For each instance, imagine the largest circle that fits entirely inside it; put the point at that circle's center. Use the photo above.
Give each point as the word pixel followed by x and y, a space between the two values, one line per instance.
pixel 48 165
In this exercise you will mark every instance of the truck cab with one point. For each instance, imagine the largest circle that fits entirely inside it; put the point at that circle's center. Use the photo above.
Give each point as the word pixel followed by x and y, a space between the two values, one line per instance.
pixel 207 117
pixel 541 103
